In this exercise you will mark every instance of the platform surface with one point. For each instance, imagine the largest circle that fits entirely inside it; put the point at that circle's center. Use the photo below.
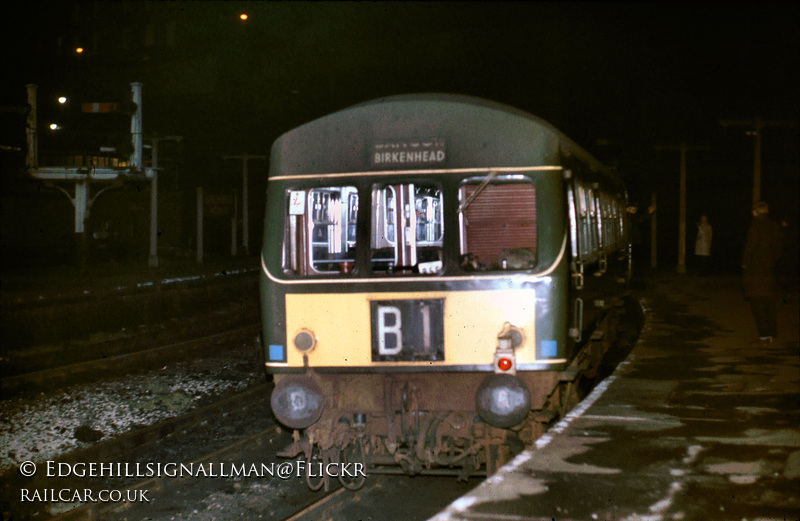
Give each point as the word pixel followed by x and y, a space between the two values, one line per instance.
pixel 696 424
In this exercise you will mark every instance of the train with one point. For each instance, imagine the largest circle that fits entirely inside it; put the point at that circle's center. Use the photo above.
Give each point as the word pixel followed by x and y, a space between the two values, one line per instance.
pixel 440 273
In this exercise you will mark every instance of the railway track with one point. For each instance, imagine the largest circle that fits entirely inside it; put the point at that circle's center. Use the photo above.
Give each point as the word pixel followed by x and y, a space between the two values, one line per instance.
pixel 161 486
pixel 387 498
pixel 326 506
pixel 133 443
pixel 62 375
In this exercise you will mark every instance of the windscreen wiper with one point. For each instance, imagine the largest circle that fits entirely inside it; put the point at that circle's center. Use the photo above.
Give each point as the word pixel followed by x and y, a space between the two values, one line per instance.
pixel 486 180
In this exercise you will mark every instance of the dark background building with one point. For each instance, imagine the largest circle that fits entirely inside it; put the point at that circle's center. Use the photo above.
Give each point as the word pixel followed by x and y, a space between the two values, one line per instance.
pixel 618 78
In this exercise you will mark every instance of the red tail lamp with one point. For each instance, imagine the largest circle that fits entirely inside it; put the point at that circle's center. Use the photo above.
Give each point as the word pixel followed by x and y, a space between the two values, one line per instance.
pixel 504 364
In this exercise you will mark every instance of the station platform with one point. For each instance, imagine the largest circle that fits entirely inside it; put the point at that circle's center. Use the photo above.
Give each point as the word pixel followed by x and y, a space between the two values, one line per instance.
pixel 698 423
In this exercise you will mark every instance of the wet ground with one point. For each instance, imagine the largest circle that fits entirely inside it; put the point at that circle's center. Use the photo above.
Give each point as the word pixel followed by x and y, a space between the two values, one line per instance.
pixel 697 423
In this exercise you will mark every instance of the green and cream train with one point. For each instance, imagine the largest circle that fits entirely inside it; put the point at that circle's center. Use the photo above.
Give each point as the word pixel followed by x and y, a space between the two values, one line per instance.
pixel 438 272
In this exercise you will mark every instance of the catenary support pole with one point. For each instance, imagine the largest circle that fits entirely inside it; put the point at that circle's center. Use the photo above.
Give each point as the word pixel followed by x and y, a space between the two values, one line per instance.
pixel 136 128
pixel 682 148
pixel 199 224
pixel 245 200
pixel 153 258
pixel 234 240
pixel 32 157
pixel 757 126
pixel 653 231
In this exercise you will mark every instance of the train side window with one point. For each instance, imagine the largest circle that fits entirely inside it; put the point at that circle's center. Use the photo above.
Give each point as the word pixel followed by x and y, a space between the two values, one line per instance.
pixel 614 221
pixel 592 234
pixel 320 231
pixel 587 223
pixel 602 225
pixel 498 225
pixel 407 228
pixel 611 232
pixel 611 222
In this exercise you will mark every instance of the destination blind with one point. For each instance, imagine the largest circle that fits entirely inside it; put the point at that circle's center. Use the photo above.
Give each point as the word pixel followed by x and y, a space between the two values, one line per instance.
pixel 423 152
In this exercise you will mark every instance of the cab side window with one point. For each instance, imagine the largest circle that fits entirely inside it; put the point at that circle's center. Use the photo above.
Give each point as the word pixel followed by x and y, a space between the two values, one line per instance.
pixel 498 225
pixel 320 231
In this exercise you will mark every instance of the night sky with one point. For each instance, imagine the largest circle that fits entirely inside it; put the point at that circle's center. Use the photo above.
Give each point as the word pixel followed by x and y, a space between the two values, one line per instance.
pixel 618 78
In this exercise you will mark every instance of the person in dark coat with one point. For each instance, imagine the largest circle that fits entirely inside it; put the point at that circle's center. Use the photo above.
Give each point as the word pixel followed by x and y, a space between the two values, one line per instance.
pixel 761 251
pixel 637 219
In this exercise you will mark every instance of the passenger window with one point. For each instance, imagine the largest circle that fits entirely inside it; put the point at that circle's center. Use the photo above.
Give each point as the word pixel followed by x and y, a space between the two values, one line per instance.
pixel 587 223
pixel 498 225
pixel 320 234
pixel 407 228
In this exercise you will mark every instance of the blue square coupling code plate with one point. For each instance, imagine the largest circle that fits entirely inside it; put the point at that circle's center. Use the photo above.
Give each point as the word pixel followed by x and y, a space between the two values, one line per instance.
pixel 276 353
pixel 549 348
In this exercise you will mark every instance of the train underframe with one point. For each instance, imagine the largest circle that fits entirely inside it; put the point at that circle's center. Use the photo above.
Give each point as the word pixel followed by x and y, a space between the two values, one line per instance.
pixel 428 423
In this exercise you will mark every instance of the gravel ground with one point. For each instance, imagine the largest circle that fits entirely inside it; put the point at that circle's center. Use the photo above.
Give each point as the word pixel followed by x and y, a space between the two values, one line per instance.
pixel 221 499
pixel 45 426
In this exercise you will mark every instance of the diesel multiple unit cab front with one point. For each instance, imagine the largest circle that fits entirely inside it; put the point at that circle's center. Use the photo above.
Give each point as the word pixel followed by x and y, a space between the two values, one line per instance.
pixel 432 268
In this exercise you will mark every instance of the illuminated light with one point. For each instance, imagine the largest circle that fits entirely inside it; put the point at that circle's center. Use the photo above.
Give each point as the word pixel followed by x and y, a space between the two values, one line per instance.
pixel 243 17
pixel 504 364
pixel 62 99
pixel 79 50
pixel 53 126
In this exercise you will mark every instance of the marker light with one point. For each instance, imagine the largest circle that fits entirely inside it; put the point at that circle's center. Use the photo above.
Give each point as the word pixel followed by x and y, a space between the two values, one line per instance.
pixel 243 16
pixel 305 340
pixel 504 364
pixel 79 50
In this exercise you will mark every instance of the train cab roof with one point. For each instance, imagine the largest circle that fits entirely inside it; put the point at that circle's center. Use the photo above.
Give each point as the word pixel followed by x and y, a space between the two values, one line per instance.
pixel 469 131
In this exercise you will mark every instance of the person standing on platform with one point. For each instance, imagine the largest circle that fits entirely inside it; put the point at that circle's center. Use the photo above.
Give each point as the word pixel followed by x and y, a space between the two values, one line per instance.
pixel 702 246
pixel 637 220
pixel 761 252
